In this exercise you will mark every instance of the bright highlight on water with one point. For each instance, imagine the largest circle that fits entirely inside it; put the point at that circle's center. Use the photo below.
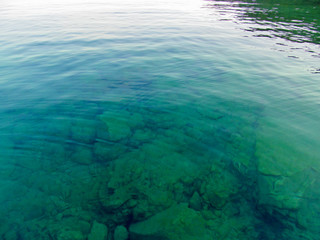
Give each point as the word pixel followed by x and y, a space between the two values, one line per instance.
pixel 159 120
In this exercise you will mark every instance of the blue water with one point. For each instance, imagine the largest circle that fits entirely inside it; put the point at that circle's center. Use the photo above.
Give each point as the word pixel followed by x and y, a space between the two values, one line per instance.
pixel 138 119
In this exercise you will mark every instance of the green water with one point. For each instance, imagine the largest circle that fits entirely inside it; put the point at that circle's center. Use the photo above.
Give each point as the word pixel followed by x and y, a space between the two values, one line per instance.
pixel 166 120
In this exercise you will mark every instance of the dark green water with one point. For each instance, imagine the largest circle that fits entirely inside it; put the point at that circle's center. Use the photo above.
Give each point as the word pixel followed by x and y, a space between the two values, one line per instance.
pixel 166 120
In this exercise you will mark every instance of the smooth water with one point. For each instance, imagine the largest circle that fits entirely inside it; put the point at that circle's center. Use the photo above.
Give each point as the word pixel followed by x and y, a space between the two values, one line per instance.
pixel 180 120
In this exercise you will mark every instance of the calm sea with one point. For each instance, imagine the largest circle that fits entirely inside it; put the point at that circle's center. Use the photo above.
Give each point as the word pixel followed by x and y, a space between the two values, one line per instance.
pixel 166 120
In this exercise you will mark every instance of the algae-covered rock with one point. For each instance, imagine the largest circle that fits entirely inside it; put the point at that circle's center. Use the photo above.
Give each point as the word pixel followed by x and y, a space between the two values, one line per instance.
pixel 12 234
pixel 117 125
pixel 295 199
pixel 120 233
pixel 195 202
pixel 236 227
pixel 155 179
pixel 60 127
pixel 282 153
pixel 134 185
pixel 83 131
pixel 292 201
pixel 70 235
pixel 219 188
pixel 82 155
pixel 143 135
pixel 152 202
pixel 98 231
pixel 308 215
pixel 175 223
pixel 101 131
pixel 309 211
pixel 135 120
pixel 112 201
pixel 288 179
pixel 276 192
pixel 104 151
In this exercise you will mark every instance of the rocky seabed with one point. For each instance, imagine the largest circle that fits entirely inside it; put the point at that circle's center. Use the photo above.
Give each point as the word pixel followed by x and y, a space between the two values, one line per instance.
pixel 121 172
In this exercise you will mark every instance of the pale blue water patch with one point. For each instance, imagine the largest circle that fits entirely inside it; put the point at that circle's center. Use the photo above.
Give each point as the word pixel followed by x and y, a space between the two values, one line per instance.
pixel 126 115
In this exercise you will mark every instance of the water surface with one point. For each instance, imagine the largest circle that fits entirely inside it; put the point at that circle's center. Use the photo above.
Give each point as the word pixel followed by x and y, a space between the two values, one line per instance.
pixel 138 119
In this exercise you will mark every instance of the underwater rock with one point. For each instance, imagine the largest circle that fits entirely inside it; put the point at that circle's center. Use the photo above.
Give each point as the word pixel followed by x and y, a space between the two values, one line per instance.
pixel 292 201
pixel 120 233
pixel 280 154
pixel 32 149
pixel 195 202
pixel 219 188
pixel 66 222
pixel 140 186
pixel 82 155
pixel 276 192
pixel 102 131
pixel 34 210
pixel 236 227
pixel 135 120
pixel 72 220
pixel 118 127
pixel 143 135
pixel 129 188
pixel 118 130
pixel 104 152
pixel 83 131
pixel 140 137
pixel 59 127
pixel 113 201
pixel 12 190
pixel 12 234
pixel 55 153
pixel 152 202
pixel 175 223
pixel 154 179
pixel 308 215
pixel 70 235
pixel 288 180
pixel 155 150
pixel 98 231
pixel 209 113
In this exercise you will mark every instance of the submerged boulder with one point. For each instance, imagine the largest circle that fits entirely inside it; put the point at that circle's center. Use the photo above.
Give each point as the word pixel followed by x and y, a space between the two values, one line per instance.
pixel 117 125
pixel 121 233
pixel 71 235
pixel 288 179
pixel 83 131
pixel 82 155
pixel 175 223
pixel 219 188
pixel 195 202
pixel 98 231
pixel 104 151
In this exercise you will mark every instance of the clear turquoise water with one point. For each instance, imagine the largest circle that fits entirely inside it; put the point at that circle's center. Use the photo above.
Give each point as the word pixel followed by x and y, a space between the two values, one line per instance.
pixel 172 119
